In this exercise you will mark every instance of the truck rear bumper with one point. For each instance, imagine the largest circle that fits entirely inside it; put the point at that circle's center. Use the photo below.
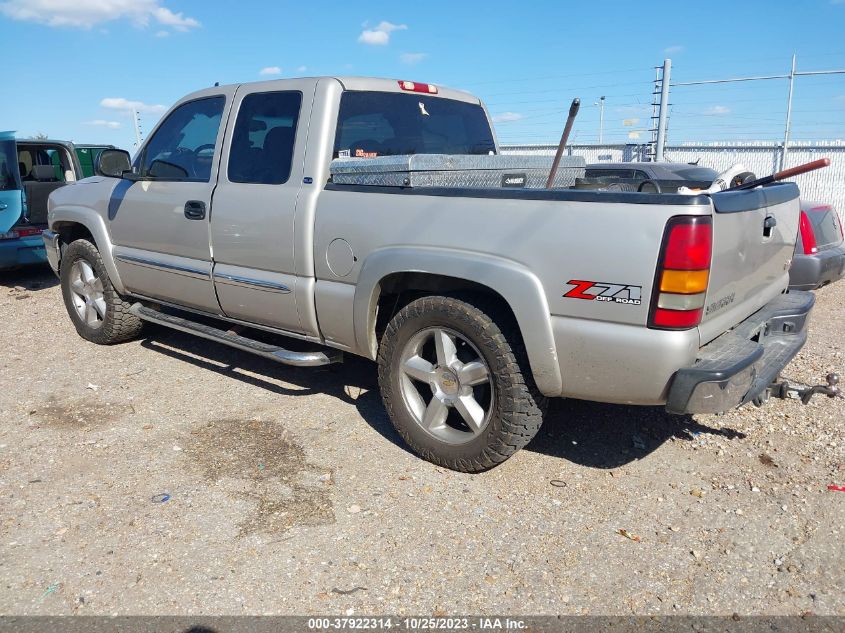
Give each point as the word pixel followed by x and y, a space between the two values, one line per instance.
pixel 739 365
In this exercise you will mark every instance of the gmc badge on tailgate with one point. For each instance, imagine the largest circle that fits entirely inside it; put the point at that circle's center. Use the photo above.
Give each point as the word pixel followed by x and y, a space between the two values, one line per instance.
pixel 513 180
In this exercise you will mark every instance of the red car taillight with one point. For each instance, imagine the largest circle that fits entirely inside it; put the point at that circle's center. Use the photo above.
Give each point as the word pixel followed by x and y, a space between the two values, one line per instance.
pixel 808 236
pixel 683 271
pixel 28 232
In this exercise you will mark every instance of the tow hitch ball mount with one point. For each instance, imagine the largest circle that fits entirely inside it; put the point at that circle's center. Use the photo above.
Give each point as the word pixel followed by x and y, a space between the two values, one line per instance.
pixel 783 389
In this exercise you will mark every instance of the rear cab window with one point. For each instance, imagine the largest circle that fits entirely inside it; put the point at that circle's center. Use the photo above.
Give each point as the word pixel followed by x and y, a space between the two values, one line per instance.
pixel 372 124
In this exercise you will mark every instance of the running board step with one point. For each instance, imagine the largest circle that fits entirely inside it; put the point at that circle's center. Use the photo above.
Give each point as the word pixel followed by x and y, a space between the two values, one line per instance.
pixel 273 352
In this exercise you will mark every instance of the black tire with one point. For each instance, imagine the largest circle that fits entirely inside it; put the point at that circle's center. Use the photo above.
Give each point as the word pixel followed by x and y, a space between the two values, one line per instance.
pixel 516 411
pixel 117 324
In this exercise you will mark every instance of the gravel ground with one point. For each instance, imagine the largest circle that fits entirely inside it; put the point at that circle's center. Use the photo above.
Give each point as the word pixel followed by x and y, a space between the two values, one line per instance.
pixel 289 492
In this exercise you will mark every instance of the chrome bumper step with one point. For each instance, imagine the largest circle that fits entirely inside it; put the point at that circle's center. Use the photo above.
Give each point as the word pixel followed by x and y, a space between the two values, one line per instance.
pixel 273 352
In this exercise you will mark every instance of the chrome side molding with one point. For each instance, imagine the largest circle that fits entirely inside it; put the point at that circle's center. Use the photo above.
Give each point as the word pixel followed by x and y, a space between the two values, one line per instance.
pixel 246 282
pixel 167 267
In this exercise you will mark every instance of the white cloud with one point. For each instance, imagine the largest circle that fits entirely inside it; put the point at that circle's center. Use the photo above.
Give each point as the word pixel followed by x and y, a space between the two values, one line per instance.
pixel 176 20
pixel 119 103
pixel 718 110
pixel 270 70
pixel 301 69
pixel 380 35
pixel 162 33
pixel 112 125
pixel 669 50
pixel 507 117
pixel 85 14
pixel 412 58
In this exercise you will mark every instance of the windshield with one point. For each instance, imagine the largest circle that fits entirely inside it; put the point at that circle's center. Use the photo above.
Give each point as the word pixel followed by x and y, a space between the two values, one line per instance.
pixel 704 174
pixel 9 173
pixel 372 124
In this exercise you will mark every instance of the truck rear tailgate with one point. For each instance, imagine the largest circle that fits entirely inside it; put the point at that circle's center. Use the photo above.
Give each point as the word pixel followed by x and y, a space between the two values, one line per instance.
pixel 754 235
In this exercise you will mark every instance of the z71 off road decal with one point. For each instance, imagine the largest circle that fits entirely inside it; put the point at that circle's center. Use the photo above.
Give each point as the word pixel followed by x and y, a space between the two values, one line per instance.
pixel 604 291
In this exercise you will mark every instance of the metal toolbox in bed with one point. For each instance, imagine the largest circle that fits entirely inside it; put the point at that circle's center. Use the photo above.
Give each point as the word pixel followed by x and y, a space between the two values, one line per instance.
pixel 452 170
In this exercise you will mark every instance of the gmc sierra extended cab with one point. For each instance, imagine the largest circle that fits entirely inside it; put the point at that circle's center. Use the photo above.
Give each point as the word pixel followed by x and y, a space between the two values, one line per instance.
pixel 346 212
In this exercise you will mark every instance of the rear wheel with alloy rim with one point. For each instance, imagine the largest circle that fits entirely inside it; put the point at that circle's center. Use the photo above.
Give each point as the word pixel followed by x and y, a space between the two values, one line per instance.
pixel 454 380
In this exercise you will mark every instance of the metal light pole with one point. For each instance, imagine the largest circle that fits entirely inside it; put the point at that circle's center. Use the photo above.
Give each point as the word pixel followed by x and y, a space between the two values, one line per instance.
pixel 664 109
pixel 600 104
pixel 788 116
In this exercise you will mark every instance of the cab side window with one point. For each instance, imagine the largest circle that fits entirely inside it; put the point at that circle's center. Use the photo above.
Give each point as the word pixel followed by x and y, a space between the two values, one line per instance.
pixel 182 148
pixel 264 136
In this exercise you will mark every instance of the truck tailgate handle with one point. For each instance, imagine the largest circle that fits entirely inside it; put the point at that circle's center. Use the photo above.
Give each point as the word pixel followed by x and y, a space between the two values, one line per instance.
pixel 768 224
pixel 195 210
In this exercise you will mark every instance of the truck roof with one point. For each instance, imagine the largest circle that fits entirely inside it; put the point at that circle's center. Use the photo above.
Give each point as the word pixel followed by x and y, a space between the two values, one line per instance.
pixel 43 141
pixel 379 84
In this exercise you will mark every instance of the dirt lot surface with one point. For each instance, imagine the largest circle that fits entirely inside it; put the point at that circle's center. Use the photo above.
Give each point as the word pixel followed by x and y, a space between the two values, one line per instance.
pixel 173 475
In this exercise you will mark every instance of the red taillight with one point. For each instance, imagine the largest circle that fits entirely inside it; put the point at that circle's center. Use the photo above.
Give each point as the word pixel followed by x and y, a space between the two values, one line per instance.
pixel 808 237
pixel 413 86
pixel 683 272
pixel 688 246
pixel 28 232
pixel 677 319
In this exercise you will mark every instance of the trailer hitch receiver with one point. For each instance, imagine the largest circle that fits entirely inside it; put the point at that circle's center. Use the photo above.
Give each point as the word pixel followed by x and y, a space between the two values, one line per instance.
pixel 784 389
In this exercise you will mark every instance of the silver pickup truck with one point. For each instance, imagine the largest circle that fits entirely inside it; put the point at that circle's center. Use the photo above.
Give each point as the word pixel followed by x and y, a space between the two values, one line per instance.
pixel 241 220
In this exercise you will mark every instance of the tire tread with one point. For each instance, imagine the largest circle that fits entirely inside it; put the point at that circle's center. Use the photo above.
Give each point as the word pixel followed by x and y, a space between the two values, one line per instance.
pixel 120 324
pixel 521 406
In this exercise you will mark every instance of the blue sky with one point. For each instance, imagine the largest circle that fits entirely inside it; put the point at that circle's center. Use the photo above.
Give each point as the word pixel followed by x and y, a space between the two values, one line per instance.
pixel 76 66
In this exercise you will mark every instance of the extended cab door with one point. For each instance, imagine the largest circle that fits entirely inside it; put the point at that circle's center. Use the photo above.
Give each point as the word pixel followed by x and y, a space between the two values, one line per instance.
pixel 252 229
pixel 159 224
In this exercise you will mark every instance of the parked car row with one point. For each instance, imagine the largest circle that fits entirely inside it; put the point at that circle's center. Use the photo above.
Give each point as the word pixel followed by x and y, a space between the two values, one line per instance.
pixel 30 170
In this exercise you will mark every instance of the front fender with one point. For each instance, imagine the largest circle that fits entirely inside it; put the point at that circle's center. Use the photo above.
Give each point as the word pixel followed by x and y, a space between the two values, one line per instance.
pixel 516 284
pixel 96 225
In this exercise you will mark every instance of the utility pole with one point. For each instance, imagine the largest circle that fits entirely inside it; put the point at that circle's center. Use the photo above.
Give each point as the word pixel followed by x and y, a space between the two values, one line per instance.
pixel 136 121
pixel 664 109
pixel 788 116
pixel 600 104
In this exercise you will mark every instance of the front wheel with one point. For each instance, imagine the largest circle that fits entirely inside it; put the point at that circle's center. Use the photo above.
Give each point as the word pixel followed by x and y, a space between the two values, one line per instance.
pixel 455 383
pixel 98 312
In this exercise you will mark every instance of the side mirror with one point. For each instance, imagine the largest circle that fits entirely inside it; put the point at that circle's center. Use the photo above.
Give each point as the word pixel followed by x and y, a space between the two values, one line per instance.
pixel 112 163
